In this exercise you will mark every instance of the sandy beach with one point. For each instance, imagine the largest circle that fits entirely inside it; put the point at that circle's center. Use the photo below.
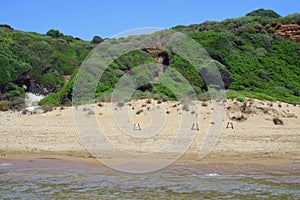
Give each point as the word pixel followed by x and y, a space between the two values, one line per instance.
pixel 254 138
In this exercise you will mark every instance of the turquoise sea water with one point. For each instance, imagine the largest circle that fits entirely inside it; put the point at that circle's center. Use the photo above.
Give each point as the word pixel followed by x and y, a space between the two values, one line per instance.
pixel 54 179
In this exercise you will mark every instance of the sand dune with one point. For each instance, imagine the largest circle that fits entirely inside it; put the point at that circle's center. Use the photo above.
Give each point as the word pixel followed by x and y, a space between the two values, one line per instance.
pixel 254 138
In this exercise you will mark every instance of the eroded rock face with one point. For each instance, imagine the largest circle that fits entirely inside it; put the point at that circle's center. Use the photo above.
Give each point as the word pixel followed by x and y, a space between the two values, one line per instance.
pixel 30 85
pixel 290 32
pixel 160 55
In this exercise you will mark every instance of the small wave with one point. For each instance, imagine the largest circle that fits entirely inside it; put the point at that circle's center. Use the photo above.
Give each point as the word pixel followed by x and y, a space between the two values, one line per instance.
pixel 212 174
pixel 5 164
pixel 182 164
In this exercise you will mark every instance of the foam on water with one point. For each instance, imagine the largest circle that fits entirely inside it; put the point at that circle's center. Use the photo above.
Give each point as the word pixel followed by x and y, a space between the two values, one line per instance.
pixel 5 164
pixel 212 174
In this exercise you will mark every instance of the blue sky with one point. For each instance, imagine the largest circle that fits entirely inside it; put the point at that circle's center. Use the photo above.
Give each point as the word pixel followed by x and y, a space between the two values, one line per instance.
pixel 87 18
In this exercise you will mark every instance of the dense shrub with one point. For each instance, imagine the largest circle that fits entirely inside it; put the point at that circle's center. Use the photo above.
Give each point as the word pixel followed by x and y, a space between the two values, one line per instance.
pixel 16 103
pixel 47 107
pixel 264 13
pixel 97 40
pixel 4 105
pixel 54 33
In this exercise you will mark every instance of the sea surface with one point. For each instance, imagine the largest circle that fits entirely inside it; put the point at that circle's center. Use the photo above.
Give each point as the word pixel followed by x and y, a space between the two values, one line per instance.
pixel 56 179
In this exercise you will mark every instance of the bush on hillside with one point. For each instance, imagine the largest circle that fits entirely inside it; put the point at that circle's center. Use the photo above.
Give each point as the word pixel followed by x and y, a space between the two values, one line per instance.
pixel 264 13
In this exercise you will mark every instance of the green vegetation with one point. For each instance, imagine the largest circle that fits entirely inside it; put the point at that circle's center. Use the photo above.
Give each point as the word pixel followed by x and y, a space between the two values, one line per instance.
pixel 36 61
pixel 260 64
pixel 97 40
pixel 185 106
pixel 241 98
pixel 4 105
pixel 253 62
pixel 47 107
pixel 264 13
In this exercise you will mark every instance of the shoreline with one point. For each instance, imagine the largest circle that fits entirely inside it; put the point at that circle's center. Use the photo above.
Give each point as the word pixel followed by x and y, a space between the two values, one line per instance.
pixel 185 158
pixel 207 166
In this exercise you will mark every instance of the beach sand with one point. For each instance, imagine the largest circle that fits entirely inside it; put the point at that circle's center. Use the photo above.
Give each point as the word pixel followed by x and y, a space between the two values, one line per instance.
pixel 254 139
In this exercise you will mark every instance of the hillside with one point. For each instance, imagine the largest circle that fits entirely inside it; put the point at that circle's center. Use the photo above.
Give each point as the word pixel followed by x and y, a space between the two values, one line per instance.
pixel 261 51
pixel 257 55
pixel 36 63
